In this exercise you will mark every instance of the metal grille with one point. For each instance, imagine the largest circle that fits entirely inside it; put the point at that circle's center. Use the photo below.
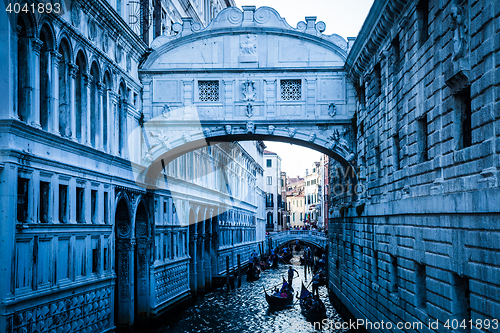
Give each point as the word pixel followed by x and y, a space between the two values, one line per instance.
pixel 291 90
pixel 208 91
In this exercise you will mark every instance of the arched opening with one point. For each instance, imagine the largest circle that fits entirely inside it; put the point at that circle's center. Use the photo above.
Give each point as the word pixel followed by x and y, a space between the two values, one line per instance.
pixel 200 253
pixel 141 259
pixel 215 243
pixel 81 98
pixel 23 65
pixel 94 105
pixel 269 221
pixel 64 89
pixel 207 254
pixel 45 76
pixel 192 252
pixel 123 266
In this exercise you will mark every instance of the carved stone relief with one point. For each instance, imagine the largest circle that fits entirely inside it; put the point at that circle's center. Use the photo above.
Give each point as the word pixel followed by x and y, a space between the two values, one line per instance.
pixel 332 109
pixel 249 110
pixel 249 91
pixel 75 14
pixel 458 24
pixel 250 128
pixel 248 48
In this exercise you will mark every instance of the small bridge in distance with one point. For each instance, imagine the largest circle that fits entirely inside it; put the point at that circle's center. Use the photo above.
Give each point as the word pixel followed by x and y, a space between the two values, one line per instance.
pixel 311 237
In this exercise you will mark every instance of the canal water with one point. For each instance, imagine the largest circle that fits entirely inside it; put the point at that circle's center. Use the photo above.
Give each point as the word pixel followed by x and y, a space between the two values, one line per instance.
pixel 245 309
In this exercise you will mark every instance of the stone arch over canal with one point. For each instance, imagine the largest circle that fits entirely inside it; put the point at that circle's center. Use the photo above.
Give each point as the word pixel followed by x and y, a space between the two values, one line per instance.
pixel 247 76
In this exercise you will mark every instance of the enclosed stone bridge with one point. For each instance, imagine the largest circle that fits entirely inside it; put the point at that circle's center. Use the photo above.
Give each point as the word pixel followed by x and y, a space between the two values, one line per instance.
pixel 311 237
pixel 247 76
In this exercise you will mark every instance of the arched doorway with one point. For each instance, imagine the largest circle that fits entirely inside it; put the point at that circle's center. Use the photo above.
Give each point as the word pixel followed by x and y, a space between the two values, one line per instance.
pixel 192 252
pixel 124 294
pixel 132 258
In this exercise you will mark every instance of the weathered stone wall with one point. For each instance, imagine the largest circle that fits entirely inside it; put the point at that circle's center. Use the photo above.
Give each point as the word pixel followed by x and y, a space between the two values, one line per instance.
pixel 425 246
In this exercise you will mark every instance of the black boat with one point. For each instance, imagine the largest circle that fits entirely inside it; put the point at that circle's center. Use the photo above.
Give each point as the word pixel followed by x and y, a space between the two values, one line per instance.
pixel 253 273
pixel 275 299
pixel 287 257
pixel 313 310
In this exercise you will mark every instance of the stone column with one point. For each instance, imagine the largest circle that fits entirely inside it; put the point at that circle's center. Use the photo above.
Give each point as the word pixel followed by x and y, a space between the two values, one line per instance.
pixel 72 69
pixel 86 116
pixel 101 90
pixel 56 58
pixel 124 267
pixel 34 77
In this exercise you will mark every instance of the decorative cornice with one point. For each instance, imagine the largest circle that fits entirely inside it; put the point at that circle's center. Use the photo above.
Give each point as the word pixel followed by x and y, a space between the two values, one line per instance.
pixel 375 30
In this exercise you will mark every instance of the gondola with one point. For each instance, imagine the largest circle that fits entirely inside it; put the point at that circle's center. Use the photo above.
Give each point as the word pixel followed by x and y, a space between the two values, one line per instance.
pixel 273 261
pixel 277 301
pixel 253 273
pixel 312 313
pixel 287 257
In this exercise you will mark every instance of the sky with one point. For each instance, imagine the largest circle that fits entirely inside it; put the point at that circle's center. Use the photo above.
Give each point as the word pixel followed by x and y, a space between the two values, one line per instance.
pixel 343 17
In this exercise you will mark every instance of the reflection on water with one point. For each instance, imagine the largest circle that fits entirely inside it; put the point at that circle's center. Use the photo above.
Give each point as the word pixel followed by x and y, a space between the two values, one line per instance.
pixel 246 310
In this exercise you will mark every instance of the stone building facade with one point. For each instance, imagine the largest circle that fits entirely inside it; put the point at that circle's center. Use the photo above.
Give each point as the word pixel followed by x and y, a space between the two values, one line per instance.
pixel 85 246
pixel 272 178
pixel 417 241
pixel 295 201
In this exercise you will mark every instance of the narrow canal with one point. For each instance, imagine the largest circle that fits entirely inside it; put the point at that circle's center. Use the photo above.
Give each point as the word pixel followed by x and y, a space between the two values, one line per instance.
pixel 245 309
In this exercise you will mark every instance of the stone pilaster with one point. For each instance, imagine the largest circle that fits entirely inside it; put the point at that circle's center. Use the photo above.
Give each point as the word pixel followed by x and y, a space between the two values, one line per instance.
pixel 87 80
pixel 72 69
pixel 34 84
pixel 55 60
pixel 101 89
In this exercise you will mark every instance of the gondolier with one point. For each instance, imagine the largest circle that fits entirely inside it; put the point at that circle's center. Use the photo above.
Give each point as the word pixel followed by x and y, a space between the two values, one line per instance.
pixel 290 274
pixel 315 284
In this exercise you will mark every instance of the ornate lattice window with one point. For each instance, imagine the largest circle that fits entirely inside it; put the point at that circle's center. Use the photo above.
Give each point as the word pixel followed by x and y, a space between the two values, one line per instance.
pixel 208 91
pixel 291 90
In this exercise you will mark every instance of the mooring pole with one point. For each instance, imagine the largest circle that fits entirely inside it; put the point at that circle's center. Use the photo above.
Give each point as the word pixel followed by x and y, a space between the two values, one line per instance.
pixel 305 267
pixel 227 273
pixel 239 271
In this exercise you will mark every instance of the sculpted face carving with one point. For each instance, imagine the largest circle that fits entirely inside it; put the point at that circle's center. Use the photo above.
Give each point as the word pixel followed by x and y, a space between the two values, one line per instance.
pixel 250 128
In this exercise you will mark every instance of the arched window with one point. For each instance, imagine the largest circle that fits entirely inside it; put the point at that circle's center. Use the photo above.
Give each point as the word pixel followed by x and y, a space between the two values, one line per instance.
pixel 23 63
pixel 80 98
pixel 64 89
pixel 94 105
pixel 45 76
pixel 269 219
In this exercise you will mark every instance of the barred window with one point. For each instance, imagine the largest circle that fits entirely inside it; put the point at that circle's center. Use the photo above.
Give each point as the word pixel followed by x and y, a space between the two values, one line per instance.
pixel 208 91
pixel 291 90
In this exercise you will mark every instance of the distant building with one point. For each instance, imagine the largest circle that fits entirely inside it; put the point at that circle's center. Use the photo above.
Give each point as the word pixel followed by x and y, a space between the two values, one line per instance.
pixel 272 187
pixel 323 190
pixel 285 223
pixel 312 196
pixel 295 201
